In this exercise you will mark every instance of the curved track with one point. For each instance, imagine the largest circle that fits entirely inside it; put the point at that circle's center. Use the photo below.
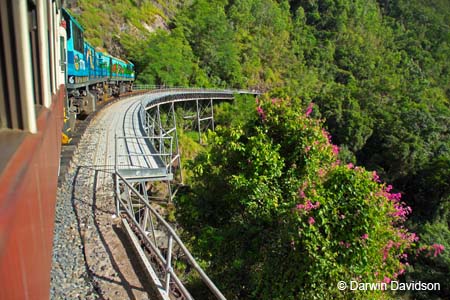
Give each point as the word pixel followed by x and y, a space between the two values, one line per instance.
pixel 92 257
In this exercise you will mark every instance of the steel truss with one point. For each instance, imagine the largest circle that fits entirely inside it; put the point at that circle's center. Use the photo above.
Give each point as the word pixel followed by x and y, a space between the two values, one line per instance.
pixel 162 129
pixel 205 114
pixel 166 257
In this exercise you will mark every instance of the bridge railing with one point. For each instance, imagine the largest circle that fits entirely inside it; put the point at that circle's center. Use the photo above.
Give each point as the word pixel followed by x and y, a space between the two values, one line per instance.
pixel 167 252
pixel 150 87
pixel 154 163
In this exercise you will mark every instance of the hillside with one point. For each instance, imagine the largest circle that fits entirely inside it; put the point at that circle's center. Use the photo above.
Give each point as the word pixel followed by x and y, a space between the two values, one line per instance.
pixel 106 24
pixel 376 72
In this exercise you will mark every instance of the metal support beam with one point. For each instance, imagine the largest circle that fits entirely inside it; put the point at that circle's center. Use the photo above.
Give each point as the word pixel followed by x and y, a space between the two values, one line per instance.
pixel 205 112
pixel 169 263
pixel 198 123
pixel 212 114
pixel 164 256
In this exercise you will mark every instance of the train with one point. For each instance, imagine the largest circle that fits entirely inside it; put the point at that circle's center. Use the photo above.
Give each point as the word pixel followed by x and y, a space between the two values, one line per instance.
pixel 49 74
pixel 92 74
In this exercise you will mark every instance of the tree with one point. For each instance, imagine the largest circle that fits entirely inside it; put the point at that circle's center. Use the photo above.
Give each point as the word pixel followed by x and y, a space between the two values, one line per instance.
pixel 277 217
pixel 167 59
pixel 212 40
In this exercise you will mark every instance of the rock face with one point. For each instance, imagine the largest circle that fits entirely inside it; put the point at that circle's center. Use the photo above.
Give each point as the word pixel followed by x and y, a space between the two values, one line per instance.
pixel 70 4
pixel 106 24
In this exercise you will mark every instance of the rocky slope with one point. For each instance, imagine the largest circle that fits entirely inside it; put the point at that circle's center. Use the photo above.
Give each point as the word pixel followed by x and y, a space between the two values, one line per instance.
pixel 107 24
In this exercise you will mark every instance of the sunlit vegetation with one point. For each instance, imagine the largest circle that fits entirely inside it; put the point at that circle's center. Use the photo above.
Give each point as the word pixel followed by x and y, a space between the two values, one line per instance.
pixel 378 76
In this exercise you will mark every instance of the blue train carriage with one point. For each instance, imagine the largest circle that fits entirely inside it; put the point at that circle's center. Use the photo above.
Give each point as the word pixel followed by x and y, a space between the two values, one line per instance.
pixel 92 74
pixel 87 74
pixel 121 75
pixel 80 57
pixel 77 70
pixel 130 67
pixel 102 64
pixel 89 54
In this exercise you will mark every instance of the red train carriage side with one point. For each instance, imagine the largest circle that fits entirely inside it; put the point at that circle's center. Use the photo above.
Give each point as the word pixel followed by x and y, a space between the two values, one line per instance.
pixel 31 118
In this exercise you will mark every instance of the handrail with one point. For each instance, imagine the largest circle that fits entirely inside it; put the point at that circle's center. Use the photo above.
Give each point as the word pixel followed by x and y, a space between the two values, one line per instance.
pixel 162 155
pixel 174 235
pixel 154 88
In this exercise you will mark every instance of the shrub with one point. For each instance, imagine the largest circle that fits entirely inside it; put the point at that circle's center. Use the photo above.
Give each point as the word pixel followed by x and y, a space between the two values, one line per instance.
pixel 279 217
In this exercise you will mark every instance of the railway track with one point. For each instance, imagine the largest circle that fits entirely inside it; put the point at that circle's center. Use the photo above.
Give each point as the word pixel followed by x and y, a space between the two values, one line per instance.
pixel 92 256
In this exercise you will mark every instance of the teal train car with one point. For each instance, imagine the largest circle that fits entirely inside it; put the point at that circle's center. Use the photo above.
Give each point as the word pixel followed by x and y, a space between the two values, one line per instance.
pixel 91 74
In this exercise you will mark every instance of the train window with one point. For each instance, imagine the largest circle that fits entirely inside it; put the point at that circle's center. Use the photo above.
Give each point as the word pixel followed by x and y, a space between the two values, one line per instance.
pixel 10 104
pixel 3 95
pixel 68 22
pixel 35 55
pixel 78 43
pixel 50 43
pixel 63 54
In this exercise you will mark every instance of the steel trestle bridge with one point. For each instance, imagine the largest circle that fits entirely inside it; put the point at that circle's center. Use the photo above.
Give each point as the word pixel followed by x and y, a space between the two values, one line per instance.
pixel 146 151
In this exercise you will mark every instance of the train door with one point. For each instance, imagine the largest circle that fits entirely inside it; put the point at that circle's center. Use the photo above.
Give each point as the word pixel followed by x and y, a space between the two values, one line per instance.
pixel 69 114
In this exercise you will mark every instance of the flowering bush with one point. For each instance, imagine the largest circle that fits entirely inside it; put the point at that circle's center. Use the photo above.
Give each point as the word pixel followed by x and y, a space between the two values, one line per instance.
pixel 279 217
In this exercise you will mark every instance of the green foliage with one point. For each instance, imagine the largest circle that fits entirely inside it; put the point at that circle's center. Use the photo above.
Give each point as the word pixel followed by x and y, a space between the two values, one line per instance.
pixel 237 112
pixel 166 59
pixel 279 218
pixel 430 191
pixel 378 73
pixel 430 267
pixel 212 40
pixel 262 37
pixel 103 22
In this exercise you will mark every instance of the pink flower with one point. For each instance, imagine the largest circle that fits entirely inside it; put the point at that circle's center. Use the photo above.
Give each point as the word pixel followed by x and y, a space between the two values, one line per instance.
pixel 276 100
pixel 302 194
pixel 261 112
pixel 401 210
pixel 308 206
pixel 350 166
pixel 344 244
pixel 326 135
pixel 311 221
pixel 365 236
pixel 394 197
pixel 438 249
pixel 309 109
pixel 335 150
pixel 386 280
pixel 375 176
pixel 387 248
pixel 413 237
pixel 321 172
